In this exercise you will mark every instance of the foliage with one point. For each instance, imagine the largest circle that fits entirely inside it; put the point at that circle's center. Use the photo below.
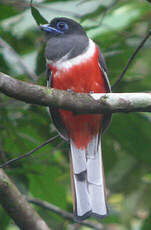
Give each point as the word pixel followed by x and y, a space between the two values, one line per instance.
pixel 117 27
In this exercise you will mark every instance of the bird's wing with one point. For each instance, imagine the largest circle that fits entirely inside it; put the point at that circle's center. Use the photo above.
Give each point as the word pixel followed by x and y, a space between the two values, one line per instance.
pixel 103 68
pixel 55 115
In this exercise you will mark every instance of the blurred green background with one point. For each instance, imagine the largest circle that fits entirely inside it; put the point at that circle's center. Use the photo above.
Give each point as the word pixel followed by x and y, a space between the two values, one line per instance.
pixel 117 27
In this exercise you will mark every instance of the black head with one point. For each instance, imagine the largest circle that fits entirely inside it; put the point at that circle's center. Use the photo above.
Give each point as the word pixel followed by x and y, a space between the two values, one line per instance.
pixel 64 36
pixel 62 26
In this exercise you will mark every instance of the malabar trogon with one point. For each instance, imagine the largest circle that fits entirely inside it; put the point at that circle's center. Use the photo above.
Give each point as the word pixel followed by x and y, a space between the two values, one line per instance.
pixel 75 63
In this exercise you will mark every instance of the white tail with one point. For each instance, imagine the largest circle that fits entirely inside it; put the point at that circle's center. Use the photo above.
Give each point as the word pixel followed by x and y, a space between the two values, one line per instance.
pixel 88 180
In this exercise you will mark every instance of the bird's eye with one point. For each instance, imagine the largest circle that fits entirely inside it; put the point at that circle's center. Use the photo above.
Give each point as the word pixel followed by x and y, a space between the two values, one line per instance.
pixel 62 26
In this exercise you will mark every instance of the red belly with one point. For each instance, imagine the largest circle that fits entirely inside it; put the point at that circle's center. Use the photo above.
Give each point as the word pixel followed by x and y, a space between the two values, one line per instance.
pixel 85 78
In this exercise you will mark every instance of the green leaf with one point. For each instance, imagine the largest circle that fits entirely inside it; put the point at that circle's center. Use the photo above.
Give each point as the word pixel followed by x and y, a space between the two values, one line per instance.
pixel 147 223
pixel 37 16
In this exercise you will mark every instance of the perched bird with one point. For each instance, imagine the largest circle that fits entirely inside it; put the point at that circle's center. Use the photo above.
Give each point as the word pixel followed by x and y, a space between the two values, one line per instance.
pixel 75 63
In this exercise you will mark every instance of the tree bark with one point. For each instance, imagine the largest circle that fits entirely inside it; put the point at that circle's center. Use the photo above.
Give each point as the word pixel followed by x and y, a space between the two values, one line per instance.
pixel 17 207
pixel 76 102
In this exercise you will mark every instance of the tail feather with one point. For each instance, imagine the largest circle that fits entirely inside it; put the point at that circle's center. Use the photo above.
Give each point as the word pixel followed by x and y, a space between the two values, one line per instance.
pixel 88 180
pixel 83 205
pixel 97 199
pixel 92 148
pixel 94 168
pixel 78 159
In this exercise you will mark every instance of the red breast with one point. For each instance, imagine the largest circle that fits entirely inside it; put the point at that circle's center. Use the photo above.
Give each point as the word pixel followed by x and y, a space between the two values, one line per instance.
pixel 84 78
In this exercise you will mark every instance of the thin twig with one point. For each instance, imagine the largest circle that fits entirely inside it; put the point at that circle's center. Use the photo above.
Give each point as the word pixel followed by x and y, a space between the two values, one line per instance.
pixel 32 76
pixel 131 59
pixel 64 214
pixel 107 9
pixel 29 153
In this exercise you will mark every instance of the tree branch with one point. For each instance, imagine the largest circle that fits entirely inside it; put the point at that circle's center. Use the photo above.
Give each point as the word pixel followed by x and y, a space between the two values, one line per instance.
pixel 76 102
pixel 29 153
pixel 64 214
pixel 31 75
pixel 17 207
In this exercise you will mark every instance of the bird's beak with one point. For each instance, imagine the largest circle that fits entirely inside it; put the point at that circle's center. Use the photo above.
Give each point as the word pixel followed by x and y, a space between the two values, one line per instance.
pixel 49 29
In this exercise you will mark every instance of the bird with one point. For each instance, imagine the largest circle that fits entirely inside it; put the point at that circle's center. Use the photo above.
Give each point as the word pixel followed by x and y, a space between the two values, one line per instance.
pixel 75 63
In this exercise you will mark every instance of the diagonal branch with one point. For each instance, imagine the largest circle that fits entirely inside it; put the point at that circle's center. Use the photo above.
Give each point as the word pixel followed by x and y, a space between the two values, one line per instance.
pixel 64 214
pixel 21 63
pixel 29 153
pixel 76 102
pixel 131 59
pixel 17 207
